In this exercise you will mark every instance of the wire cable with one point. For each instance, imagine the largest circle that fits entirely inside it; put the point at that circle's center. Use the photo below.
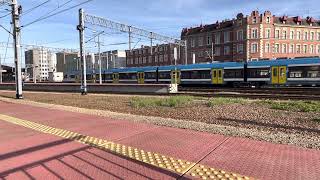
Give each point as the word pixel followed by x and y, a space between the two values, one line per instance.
pixel 50 15
pixel 34 8
pixel 6 51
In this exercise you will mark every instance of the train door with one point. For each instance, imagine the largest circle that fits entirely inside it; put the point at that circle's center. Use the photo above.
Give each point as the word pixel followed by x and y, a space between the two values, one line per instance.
pixel 115 77
pixel 141 77
pixel 175 77
pixel 279 75
pixel 217 76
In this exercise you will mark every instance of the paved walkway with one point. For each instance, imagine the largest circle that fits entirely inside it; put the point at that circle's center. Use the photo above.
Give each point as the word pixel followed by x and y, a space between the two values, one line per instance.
pixel 40 143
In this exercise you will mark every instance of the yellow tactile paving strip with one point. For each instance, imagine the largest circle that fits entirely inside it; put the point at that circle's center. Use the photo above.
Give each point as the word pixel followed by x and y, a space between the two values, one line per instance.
pixel 178 166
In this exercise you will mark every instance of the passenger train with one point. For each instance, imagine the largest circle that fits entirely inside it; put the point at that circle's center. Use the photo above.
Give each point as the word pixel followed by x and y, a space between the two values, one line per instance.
pixel 284 72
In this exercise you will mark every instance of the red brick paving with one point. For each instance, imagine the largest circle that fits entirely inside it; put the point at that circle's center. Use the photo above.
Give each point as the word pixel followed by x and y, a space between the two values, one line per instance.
pixel 26 154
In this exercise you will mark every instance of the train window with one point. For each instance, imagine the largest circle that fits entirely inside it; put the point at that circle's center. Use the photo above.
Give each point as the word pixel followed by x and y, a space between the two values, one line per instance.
pixel 214 74
pixel 259 73
pixel 282 71
pixel 220 74
pixel 296 74
pixel 233 73
pixel 108 76
pixel 127 76
pixel 72 76
pixel 313 74
pixel 150 75
pixel 165 75
pixel 264 73
pixel 275 72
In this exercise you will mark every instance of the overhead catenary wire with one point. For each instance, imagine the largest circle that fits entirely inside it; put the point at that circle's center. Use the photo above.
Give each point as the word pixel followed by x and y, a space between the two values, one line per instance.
pixel 7 45
pixel 50 15
pixel 34 8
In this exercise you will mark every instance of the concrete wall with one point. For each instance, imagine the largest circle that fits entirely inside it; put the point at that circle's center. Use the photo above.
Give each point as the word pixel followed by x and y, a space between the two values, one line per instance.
pixel 95 88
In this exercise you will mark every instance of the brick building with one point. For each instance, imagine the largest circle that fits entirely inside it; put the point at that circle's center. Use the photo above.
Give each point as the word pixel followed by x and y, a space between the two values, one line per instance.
pixel 254 37
pixel 161 55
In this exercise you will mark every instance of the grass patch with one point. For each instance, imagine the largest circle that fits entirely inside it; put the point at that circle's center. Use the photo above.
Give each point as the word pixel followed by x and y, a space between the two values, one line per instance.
pixel 174 101
pixel 316 120
pixel 223 101
pixel 301 106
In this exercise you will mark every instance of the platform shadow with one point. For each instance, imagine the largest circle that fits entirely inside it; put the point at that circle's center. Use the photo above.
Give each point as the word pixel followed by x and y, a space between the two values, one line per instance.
pixel 76 154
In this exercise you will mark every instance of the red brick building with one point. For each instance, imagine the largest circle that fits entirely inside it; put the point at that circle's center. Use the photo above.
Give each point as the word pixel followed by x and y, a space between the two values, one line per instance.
pixel 161 55
pixel 244 38
pixel 254 37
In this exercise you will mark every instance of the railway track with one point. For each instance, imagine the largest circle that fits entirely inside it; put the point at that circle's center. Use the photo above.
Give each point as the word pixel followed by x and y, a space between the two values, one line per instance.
pixel 253 93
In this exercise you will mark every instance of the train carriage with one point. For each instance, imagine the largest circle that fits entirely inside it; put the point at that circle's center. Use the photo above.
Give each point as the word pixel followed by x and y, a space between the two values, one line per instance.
pixel 200 74
pixel 285 72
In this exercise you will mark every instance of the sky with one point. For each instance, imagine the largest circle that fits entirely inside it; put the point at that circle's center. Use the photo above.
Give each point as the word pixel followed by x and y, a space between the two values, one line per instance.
pixel 166 17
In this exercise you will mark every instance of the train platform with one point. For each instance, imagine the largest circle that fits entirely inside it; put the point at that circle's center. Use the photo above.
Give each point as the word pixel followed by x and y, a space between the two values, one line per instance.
pixel 41 143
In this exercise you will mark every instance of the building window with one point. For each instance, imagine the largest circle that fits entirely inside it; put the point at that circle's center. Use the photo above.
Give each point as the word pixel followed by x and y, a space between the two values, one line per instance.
pixel 200 41
pixel 240 48
pixel 192 42
pixel 291 34
pixel 299 35
pixel 254 48
pixel 318 36
pixel 311 49
pixel 254 20
pixel 240 35
pixel 284 48
pixel 156 59
pixel 144 60
pixel 209 40
pixel 305 49
pixel 150 59
pixel 277 48
pixel 298 49
pixel 277 34
pixel 305 37
pixel 200 54
pixel 166 58
pixel 226 50
pixel 218 51
pixel 267 48
pixel 254 33
pixel 217 38
pixel 160 58
pixel 226 36
pixel 291 48
pixel 268 33
pixel 268 20
pixel 318 49
pixel 284 34
pixel 311 36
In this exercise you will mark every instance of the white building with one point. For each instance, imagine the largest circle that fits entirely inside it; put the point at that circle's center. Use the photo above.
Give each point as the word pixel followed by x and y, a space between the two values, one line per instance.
pixel 111 60
pixel 55 76
pixel 39 62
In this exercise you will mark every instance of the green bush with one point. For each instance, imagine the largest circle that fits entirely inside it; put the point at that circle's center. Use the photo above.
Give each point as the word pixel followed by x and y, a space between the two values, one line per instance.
pixel 223 101
pixel 173 101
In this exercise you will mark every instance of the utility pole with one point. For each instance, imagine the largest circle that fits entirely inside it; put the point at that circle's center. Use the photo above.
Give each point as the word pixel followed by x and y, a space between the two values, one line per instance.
pixel 108 60
pixel 186 52
pixel 16 10
pixel 212 53
pixel 100 73
pixel 0 71
pixel 151 42
pixel 130 38
pixel 80 28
